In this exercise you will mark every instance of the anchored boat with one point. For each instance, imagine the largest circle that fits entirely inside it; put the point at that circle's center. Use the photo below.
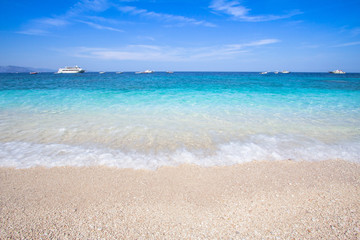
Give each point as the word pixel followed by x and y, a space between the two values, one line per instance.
pixel 75 69
pixel 337 72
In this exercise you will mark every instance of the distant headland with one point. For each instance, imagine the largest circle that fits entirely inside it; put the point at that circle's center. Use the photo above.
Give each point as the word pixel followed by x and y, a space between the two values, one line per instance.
pixel 15 69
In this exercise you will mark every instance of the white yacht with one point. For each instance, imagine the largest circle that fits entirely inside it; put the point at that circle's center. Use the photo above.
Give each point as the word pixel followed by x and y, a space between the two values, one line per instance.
pixel 264 73
pixel 338 72
pixel 284 71
pixel 75 69
pixel 146 71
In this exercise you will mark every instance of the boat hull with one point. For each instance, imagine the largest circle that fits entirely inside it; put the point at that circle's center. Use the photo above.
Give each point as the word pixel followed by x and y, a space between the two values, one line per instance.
pixel 81 71
pixel 75 69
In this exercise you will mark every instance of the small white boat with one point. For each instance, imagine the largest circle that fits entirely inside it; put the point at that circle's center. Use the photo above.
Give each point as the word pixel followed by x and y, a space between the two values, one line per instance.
pixel 75 69
pixel 276 72
pixel 119 72
pixel 101 72
pixel 170 72
pixel 32 73
pixel 284 71
pixel 264 73
pixel 337 72
pixel 144 72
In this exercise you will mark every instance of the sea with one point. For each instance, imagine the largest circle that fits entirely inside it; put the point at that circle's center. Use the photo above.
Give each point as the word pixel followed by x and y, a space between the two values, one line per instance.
pixel 145 121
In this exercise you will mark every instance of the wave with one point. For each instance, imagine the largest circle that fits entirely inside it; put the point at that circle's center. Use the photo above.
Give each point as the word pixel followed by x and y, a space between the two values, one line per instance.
pixel 255 147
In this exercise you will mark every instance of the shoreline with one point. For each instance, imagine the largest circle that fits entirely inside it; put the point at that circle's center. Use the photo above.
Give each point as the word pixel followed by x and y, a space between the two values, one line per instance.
pixel 254 200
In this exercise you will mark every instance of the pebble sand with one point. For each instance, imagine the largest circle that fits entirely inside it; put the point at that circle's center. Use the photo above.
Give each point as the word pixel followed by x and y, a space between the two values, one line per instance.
pixel 256 200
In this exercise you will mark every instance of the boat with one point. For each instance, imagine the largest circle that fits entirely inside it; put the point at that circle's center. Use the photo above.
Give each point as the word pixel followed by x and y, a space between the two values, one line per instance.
pixel 75 69
pixel 337 72
pixel 33 73
pixel 276 72
pixel 170 72
pixel 119 72
pixel 284 71
pixel 101 72
pixel 146 71
pixel 264 73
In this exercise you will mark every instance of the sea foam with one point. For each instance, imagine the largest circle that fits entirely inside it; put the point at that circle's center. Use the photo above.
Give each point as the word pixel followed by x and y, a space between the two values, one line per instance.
pixel 256 147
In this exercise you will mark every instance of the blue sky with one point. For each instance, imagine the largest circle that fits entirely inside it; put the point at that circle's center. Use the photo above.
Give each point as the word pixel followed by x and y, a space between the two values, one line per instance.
pixel 182 35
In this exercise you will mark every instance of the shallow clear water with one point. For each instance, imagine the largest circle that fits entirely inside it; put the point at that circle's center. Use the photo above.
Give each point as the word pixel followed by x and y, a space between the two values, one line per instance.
pixel 151 120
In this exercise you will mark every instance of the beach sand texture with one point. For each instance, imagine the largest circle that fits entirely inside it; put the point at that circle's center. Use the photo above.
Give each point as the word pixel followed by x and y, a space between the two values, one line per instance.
pixel 256 200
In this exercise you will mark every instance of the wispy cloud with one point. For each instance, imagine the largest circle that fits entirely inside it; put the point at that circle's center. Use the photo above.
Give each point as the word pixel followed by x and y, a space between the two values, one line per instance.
pixel 43 25
pixel 52 21
pixel 257 43
pixel 348 44
pixel 34 31
pixel 352 31
pixel 148 38
pixel 83 11
pixel 240 12
pixel 166 53
pixel 88 11
pixel 164 17
pixel 229 50
pixel 129 53
pixel 98 26
pixel 89 6
pixel 355 31
pixel 103 20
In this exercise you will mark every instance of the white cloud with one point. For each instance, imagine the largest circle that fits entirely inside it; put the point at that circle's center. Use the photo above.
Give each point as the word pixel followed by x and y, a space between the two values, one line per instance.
pixel 166 53
pixel 105 20
pixel 42 26
pixel 230 50
pixel 130 52
pixel 75 14
pixel 89 5
pixel 164 16
pixel 57 22
pixel 87 11
pixel 352 31
pixel 355 31
pixel 258 43
pixel 239 12
pixel 148 38
pixel 348 44
pixel 34 31
pixel 98 26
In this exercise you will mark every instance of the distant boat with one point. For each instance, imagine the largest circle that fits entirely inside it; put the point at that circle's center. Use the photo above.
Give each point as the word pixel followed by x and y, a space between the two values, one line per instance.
pixel 33 73
pixel 284 71
pixel 264 73
pixel 337 72
pixel 75 69
pixel 276 72
pixel 119 72
pixel 170 72
pixel 146 71
pixel 101 72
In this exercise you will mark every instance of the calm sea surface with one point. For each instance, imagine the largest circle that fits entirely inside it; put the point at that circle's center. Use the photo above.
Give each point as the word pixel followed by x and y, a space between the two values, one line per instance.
pixel 149 120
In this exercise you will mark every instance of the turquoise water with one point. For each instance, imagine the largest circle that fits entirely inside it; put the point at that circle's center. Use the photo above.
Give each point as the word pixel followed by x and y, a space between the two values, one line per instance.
pixel 149 120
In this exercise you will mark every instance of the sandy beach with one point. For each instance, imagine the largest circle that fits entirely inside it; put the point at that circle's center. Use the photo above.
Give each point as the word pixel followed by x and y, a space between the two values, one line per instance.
pixel 257 200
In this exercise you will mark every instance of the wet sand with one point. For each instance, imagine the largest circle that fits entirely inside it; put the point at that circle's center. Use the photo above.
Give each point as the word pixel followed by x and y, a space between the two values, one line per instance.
pixel 254 200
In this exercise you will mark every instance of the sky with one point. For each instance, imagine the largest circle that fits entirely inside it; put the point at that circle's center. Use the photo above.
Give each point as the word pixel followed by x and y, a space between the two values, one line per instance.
pixel 182 35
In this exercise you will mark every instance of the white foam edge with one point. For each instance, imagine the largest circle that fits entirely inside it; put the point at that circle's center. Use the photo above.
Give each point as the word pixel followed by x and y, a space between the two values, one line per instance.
pixel 256 147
